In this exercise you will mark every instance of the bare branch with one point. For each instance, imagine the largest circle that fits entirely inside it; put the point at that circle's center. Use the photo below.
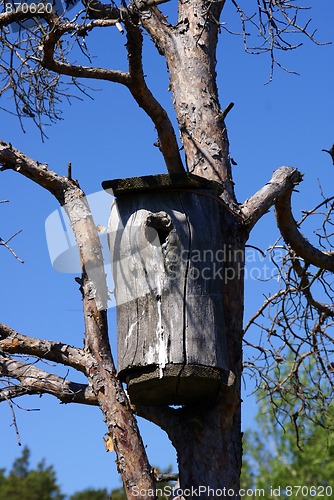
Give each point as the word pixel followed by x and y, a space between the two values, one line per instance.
pixel 14 343
pixel 5 244
pixel 291 234
pixel 13 159
pixel 98 10
pixel 33 380
pixel 48 53
pixel 330 152
pixel 10 403
pixel 305 287
pixel 57 30
pixel 167 140
pixel 227 110
pixel 167 476
pixel 134 80
pixel 37 90
pixel 283 179
pixel 264 306
pixel 277 23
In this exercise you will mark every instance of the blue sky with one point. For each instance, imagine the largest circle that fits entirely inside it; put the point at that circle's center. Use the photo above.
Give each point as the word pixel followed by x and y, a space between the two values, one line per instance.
pixel 287 122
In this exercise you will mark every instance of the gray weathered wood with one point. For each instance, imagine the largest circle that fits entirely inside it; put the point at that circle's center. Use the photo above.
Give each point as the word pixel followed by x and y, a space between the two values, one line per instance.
pixel 169 291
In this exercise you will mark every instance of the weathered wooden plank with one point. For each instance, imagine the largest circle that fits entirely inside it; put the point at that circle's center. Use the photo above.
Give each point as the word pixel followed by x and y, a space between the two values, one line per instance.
pixel 205 331
pixel 148 286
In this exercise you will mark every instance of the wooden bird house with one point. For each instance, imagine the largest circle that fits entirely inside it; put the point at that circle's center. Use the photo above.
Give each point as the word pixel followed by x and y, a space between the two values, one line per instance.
pixel 166 243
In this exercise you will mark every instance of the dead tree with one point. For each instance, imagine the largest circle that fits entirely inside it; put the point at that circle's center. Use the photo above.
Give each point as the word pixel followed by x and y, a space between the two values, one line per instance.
pixel 35 59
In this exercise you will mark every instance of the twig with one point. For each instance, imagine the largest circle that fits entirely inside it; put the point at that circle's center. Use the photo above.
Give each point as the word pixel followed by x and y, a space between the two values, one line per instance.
pixel 166 477
pixel 227 110
pixel 5 244
pixel 14 422
pixel 258 249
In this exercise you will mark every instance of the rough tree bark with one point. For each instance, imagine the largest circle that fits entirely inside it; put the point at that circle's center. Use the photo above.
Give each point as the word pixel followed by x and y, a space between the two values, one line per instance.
pixel 207 438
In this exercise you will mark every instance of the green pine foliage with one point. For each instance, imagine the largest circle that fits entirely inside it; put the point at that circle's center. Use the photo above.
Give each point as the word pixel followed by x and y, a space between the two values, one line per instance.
pixel 163 489
pixel 273 458
pixel 24 483
pixel 276 456
pixel 91 494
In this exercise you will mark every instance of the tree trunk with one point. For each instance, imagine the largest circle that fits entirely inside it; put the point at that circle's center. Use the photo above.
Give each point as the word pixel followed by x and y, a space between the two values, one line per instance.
pixel 208 440
pixel 191 61
pixel 208 444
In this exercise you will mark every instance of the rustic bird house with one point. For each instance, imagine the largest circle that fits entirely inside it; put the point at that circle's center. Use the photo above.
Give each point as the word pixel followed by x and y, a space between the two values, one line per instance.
pixel 167 253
